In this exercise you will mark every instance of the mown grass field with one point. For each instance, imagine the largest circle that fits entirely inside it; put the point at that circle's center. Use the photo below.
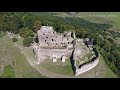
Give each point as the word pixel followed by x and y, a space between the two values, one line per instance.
pixel 9 54
pixel 58 67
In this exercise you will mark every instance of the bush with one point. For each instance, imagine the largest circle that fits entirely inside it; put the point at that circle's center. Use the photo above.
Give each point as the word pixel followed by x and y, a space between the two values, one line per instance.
pixel 26 32
pixel 31 33
pixel 14 39
pixel 8 72
pixel 27 41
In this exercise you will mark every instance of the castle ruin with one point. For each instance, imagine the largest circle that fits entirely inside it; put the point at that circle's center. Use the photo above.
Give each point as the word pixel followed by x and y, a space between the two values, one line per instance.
pixel 52 45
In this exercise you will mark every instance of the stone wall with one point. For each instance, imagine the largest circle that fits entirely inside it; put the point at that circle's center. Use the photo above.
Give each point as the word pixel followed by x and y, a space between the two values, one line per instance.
pixel 52 44
pixel 88 66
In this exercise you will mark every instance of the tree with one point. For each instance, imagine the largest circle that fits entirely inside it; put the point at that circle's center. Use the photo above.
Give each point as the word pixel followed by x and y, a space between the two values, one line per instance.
pixel 111 40
pixel 80 33
pixel 58 28
pixel 13 23
pixel 2 21
pixel 29 22
pixel 37 25
pixel 31 33
pixel 107 45
pixel 26 32
pixel 27 41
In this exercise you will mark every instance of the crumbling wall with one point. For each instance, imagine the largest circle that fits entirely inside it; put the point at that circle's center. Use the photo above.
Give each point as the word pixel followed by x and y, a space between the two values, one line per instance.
pixel 51 43
pixel 36 52
pixel 49 38
pixel 85 67
pixel 37 55
pixel 88 66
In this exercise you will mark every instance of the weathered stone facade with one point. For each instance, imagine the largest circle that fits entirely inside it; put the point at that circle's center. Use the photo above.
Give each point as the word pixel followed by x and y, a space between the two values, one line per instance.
pixel 53 45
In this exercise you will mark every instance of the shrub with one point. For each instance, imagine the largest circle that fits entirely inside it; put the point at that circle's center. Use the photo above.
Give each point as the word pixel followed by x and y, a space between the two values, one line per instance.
pixel 26 32
pixel 14 39
pixel 27 41
pixel 8 72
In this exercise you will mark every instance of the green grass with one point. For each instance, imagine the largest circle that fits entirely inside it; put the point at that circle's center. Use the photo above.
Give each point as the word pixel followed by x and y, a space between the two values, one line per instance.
pixel 113 19
pixel 98 17
pixel 88 55
pixel 8 72
pixel 108 72
pixel 58 67
pixel 23 68
pixel 2 34
pixel 12 55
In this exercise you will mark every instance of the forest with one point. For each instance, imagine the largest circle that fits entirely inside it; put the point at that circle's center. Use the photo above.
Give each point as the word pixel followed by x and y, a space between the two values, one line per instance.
pixel 26 24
